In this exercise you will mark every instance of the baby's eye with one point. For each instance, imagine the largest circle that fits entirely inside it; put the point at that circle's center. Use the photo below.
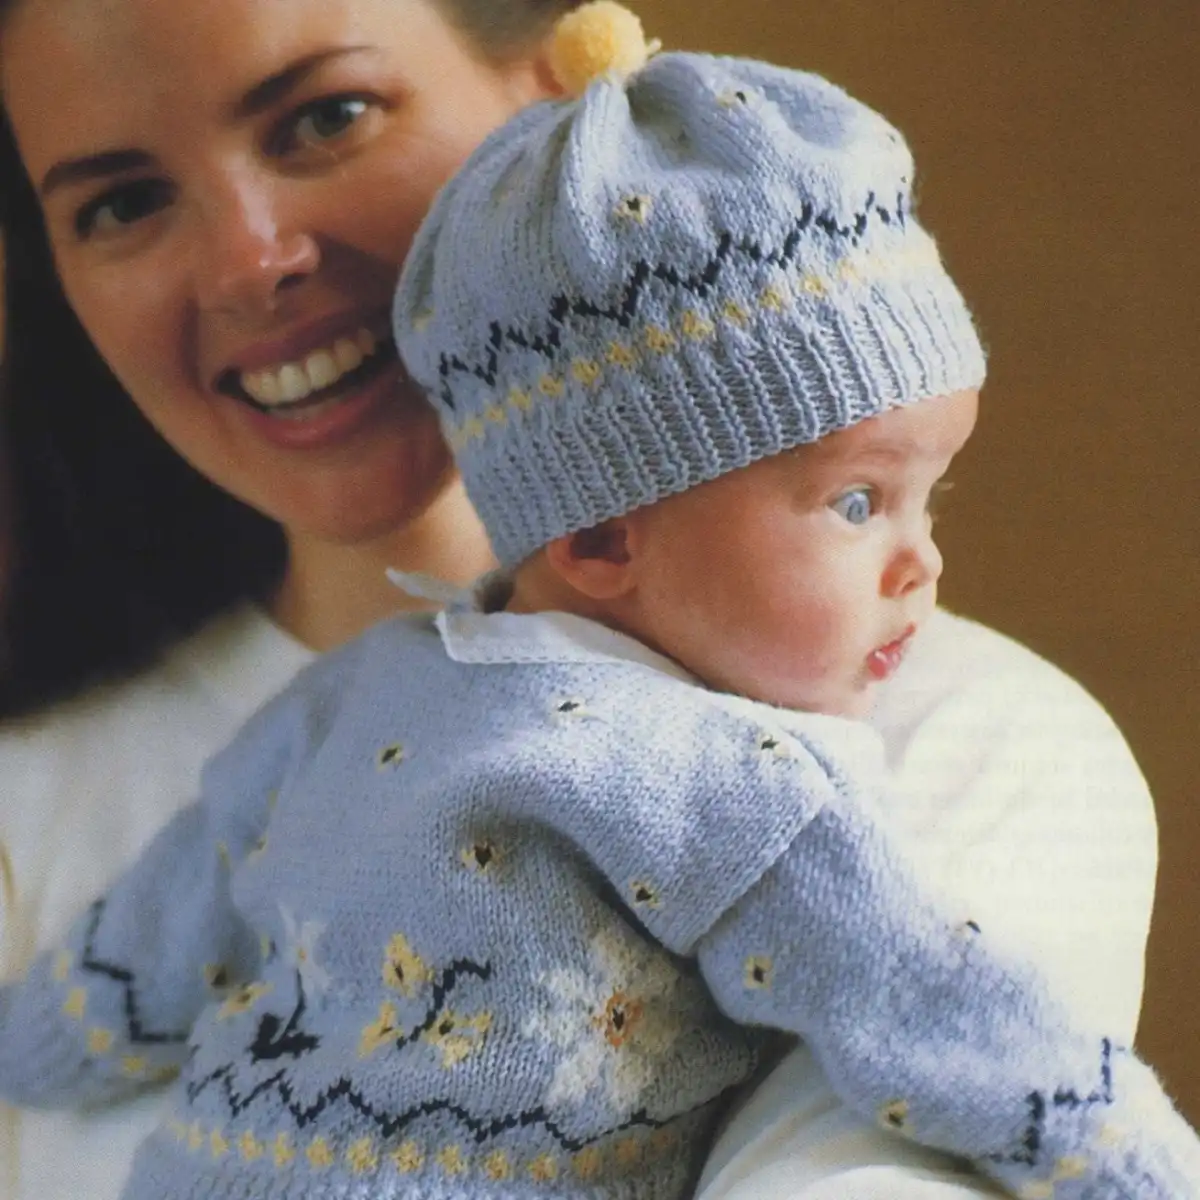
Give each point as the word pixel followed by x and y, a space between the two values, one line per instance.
pixel 121 207
pixel 936 503
pixel 854 506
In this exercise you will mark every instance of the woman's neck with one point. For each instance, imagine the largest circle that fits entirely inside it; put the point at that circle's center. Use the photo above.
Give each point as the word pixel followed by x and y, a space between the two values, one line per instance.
pixel 332 592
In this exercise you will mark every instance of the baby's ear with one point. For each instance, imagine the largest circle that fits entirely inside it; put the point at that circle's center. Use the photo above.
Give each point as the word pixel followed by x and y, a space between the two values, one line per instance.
pixel 596 562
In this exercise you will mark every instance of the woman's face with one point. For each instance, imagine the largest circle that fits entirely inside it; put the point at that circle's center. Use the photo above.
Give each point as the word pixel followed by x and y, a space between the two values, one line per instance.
pixel 230 188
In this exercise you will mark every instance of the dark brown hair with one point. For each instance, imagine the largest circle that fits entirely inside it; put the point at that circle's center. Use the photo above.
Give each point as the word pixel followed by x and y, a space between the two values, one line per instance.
pixel 119 548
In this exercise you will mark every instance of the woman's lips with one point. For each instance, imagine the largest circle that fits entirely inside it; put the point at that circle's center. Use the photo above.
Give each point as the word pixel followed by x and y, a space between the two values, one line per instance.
pixel 328 420
pixel 883 660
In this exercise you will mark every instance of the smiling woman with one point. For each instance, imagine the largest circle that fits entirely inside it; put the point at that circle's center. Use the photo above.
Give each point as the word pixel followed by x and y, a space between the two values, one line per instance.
pixel 215 452
pixel 226 227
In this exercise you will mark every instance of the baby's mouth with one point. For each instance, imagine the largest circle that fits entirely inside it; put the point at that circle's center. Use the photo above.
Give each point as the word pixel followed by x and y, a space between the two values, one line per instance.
pixel 295 390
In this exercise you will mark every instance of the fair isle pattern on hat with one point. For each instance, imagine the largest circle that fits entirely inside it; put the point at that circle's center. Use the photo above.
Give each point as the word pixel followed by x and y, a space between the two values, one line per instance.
pixel 622 296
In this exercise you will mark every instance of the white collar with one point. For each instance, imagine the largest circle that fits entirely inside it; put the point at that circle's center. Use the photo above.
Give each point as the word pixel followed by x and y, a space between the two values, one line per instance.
pixel 543 637
pixel 475 629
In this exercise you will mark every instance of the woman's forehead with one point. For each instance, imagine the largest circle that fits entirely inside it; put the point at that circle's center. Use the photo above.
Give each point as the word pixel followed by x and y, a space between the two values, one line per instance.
pixel 92 70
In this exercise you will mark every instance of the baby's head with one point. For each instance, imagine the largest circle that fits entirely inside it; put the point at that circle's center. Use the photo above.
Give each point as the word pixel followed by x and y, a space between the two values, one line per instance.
pixel 700 368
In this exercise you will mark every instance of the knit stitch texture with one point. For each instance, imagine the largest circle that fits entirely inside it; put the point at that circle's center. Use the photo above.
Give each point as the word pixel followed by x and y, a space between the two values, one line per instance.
pixel 674 275
pixel 441 929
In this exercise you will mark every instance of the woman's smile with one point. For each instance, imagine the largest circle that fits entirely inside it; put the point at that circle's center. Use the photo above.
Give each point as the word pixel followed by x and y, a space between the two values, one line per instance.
pixel 229 226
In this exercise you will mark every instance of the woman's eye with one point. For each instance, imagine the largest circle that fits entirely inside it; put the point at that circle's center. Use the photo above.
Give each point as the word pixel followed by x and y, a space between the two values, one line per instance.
pixel 326 120
pixel 854 506
pixel 122 206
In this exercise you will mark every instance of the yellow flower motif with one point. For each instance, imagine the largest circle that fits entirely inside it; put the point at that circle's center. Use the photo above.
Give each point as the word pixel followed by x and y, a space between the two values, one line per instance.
pixel 380 1032
pixel 894 1115
pixel 663 1141
pixel 758 973
pixel 644 895
pixel 481 856
pixel 75 1004
pixel 389 756
pixel 217 1144
pixel 195 1137
pixel 281 1151
pixel 496 414
pixel 496 1166
pixel 733 97
pixel 587 1163
pixel 224 855
pixel 849 271
pixel 736 313
pixel 452 1161
pixel 457 1037
pixel 244 999
pixel 472 429
pixel 619 1019
pixel 548 385
pixel 408 1158
pixel 362 1157
pixel 543 1169
pixel 319 1154
pixel 814 285
pixel 251 1148
pixel 585 371
pixel 522 401
pixel 635 208
pixel 216 976
pixel 773 299
pixel 420 321
pixel 621 354
pixel 658 340
pixel 1037 1191
pixel 629 1152
pixel 1073 1167
pixel 99 1041
pixel 403 970
pixel 133 1065
pixel 62 966
pixel 695 326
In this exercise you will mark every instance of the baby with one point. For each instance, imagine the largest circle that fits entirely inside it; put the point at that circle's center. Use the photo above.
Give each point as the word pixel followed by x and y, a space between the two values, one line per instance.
pixel 507 901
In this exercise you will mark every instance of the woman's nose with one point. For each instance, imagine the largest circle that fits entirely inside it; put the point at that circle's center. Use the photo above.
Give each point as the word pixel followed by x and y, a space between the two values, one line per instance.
pixel 915 563
pixel 247 255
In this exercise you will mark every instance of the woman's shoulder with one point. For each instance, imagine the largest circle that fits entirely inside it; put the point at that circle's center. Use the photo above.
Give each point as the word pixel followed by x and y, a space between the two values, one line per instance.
pixel 217 676
pixel 86 782
pixel 958 661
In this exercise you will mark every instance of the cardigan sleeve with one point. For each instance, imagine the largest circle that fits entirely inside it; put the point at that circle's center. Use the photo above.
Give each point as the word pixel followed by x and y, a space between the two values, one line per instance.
pixel 109 1012
pixel 761 842
pixel 924 1026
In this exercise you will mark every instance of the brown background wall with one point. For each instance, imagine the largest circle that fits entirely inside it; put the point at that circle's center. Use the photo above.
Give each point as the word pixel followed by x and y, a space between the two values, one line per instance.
pixel 1058 149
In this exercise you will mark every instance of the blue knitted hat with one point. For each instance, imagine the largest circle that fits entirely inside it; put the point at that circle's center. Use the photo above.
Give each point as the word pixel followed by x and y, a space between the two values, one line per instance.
pixel 677 273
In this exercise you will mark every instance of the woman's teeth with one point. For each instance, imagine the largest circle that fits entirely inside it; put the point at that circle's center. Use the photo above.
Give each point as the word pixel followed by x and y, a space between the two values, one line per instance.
pixel 295 381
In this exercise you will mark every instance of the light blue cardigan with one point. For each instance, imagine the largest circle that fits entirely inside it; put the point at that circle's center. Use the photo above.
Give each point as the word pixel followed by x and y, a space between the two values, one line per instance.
pixel 447 929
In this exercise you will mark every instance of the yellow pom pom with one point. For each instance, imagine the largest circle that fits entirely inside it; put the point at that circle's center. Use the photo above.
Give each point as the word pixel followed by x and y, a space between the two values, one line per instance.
pixel 599 38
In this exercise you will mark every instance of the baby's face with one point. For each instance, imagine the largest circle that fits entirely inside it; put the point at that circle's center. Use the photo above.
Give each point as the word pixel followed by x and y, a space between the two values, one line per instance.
pixel 801 580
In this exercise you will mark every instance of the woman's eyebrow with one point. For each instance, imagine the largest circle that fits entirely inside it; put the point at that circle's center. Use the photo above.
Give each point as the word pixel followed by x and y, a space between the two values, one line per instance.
pixel 260 97
pixel 93 166
pixel 275 87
